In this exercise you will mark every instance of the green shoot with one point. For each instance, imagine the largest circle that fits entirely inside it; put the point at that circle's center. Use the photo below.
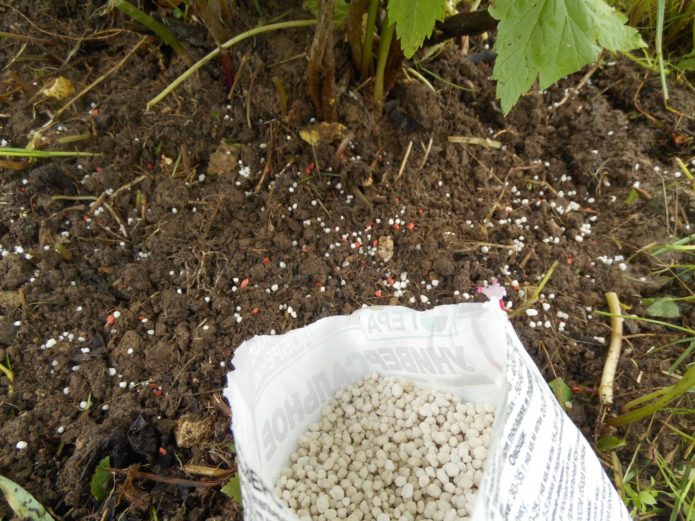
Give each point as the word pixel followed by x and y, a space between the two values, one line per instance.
pixel 6 368
pixel 562 392
pixel 41 154
pixel 232 488
pixel 537 293
pixel 660 9
pixel 212 54
pixel 88 403
pixel 382 56
pixel 99 484
pixel 609 443
pixel 178 12
pixel 684 169
pixel 150 23
pixel 641 499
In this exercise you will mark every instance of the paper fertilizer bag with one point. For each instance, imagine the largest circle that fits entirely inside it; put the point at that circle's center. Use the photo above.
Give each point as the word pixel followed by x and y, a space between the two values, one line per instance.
pixel 464 427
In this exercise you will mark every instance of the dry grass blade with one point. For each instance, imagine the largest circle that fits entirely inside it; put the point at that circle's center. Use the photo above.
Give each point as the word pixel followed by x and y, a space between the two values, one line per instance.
pixel 169 479
pixel 209 472
pixel 471 140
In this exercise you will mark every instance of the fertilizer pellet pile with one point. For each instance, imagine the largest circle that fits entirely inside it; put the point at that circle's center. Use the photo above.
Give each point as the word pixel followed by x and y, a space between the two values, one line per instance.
pixel 386 450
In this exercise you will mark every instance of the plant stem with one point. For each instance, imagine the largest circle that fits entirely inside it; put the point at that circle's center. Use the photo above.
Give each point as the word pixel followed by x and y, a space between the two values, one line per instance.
pixel 382 56
pixel 605 390
pixel 369 39
pixel 7 369
pixel 537 293
pixel 226 45
pixel 150 23
pixel 660 8
pixel 26 152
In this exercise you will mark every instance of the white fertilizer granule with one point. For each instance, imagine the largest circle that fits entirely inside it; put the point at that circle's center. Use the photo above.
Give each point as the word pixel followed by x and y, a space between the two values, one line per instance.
pixel 386 450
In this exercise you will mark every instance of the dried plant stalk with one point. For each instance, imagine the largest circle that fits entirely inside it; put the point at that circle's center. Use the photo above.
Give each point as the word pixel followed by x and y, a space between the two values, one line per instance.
pixel 353 28
pixel 321 67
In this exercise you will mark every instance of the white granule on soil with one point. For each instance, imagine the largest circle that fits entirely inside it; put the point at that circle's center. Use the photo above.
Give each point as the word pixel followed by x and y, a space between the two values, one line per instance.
pixel 385 449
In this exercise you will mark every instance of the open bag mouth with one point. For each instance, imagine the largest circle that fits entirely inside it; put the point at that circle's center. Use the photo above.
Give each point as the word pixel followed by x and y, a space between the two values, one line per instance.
pixel 538 463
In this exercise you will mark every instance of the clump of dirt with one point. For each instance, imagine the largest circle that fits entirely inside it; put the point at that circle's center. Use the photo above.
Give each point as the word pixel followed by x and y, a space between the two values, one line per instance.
pixel 129 278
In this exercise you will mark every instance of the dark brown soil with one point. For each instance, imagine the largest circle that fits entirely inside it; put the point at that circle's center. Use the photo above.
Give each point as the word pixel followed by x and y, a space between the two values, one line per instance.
pixel 198 251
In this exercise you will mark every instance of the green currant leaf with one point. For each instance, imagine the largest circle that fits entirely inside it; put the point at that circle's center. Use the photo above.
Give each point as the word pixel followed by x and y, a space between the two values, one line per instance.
pixel 415 21
pixel 549 39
